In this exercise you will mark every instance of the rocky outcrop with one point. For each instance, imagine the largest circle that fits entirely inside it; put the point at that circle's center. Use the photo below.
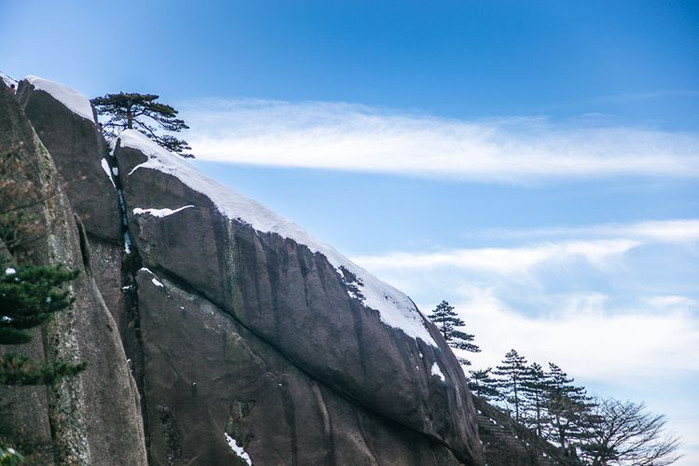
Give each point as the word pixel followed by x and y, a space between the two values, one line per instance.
pixel 210 381
pixel 300 297
pixel 80 153
pixel 92 418
pixel 82 157
pixel 245 333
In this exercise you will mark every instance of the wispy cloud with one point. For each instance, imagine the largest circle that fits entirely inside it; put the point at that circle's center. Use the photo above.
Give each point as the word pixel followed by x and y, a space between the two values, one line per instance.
pixel 588 336
pixel 339 136
pixel 665 231
pixel 582 303
pixel 505 261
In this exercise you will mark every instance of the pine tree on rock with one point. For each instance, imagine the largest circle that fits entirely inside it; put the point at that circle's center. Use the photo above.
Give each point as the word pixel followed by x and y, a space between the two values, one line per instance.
pixel 140 112
pixel 448 322
pixel 29 296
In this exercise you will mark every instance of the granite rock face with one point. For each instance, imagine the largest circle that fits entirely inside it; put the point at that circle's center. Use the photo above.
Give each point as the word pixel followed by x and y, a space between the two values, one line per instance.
pixel 293 298
pixel 245 334
pixel 78 149
pixel 208 377
pixel 95 417
pixel 82 157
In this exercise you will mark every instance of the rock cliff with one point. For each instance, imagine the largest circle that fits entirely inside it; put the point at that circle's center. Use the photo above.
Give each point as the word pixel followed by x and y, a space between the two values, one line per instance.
pixel 95 417
pixel 250 341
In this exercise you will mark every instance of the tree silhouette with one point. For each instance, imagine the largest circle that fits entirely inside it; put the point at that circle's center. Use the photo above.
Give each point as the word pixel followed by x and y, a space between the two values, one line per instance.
pixel 141 112
pixel 448 322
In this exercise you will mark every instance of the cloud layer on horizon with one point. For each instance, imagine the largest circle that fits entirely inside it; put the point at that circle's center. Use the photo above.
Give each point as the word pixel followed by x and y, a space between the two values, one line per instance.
pixel 608 319
pixel 341 136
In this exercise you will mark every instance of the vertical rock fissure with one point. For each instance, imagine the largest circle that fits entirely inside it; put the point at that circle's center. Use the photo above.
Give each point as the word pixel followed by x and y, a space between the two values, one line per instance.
pixel 130 264
pixel 290 418
pixel 329 459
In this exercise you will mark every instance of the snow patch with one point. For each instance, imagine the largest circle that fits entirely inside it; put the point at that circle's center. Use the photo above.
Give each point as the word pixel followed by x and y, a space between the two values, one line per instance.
pixel 127 243
pixel 153 280
pixel 75 101
pixel 395 309
pixel 237 449
pixel 437 371
pixel 105 168
pixel 159 212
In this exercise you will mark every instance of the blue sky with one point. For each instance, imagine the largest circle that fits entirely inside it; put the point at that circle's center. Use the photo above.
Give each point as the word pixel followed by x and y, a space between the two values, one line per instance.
pixel 534 163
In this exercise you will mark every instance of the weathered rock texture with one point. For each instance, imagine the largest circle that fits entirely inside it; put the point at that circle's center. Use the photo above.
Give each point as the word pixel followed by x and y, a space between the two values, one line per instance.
pixel 244 333
pixel 93 418
pixel 77 148
pixel 206 375
pixel 82 155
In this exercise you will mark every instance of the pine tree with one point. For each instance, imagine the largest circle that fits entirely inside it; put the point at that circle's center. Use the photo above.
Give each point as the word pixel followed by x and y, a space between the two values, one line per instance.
pixel 140 111
pixel 512 374
pixel 29 296
pixel 535 389
pixel 483 385
pixel 569 408
pixel 448 322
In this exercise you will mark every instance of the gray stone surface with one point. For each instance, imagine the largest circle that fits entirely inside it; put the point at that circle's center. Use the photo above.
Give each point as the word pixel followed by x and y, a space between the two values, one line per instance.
pixel 77 147
pixel 242 332
pixel 94 418
pixel 207 376
pixel 295 300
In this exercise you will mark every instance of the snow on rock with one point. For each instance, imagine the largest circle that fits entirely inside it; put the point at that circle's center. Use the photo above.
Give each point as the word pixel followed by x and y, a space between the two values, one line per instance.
pixel 105 167
pixel 159 212
pixel 436 371
pixel 75 101
pixel 395 309
pixel 237 449
pixel 153 280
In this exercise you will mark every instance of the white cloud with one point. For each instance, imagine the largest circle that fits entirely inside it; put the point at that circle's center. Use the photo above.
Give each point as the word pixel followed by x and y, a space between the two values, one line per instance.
pixel 671 303
pixel 586 337
pixel 665 231
pixel 340 136
pixel 576 306
pixel 505 261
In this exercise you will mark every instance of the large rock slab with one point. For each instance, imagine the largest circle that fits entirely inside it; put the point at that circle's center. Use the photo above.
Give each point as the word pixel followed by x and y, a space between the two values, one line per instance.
pixel 353 334
pixel 94 418
pixel 64 120
pixel 249 328
pixel 65 123
pixel 210 381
